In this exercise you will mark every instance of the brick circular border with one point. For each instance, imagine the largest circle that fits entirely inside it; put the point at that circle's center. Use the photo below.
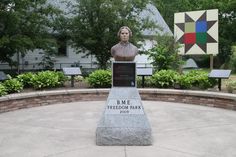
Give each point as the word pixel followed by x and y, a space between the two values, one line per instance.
pixel 26 100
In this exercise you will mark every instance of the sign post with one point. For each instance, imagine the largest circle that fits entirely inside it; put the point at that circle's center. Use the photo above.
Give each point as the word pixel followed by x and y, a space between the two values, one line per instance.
pixel 144 72
pixel 211 61
pixel 3 76
pixel 220 74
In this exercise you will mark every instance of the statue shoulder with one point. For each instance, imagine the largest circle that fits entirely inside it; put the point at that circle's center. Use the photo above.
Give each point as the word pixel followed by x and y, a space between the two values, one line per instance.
pixel 115 46
pixel 114 49
pixel 134 48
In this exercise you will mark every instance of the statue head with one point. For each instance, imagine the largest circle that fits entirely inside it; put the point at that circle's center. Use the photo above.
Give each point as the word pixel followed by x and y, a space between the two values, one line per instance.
pixel 124 51
pixel 124 34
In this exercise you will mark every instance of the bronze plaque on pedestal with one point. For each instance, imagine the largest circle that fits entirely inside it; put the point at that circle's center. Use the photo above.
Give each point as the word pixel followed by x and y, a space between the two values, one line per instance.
pixel 124 74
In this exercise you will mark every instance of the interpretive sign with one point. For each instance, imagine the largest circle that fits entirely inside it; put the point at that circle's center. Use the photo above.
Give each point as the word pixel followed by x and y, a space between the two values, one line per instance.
pixel 124 74
pixel 72 72
pixel 144 72
pixel 220 74
pixel 124 106
pixel 223 74
pixel 3 76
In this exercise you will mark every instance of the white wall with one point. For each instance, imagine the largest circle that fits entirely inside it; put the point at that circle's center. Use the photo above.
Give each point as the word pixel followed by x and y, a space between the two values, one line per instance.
pixel 34 58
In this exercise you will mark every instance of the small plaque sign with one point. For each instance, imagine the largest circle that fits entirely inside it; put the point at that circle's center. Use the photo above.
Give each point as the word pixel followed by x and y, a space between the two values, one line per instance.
pixel 124 74
pixel 124 106
pixel 220 74
pixel 72 71
pixel 224 74
pixel 144 71
pixel 3 76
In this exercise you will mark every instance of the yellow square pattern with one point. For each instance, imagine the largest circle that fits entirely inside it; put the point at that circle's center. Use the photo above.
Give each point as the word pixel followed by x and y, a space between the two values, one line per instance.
pixel 190 27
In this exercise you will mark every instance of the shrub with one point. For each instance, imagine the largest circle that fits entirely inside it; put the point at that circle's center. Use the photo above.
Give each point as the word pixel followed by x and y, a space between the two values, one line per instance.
pixel 61 78
pixel 25 79
pixel 231 86
pixel 213 81
pixel 194 78
pixel 100 79
pixel 13 86
pixel 47 79
pixel 199 79
pixel 79 78
pixel 233 62
pixel 147 81
pixel 3 90
pixel 164 78
pixel 184 81
pixel 164 55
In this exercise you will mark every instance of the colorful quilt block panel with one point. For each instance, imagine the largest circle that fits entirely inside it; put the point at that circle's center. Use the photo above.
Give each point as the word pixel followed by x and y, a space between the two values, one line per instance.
pixel 201 26
pixel 190 38
pixel 190 27
pixel 197 32
pixel 201 38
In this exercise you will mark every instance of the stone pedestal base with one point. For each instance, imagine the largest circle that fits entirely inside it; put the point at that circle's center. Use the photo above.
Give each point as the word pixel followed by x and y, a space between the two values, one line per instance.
pixel 124 121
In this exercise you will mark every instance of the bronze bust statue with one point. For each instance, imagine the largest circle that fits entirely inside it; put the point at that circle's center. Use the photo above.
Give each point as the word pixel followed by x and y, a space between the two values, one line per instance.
pixel 124 50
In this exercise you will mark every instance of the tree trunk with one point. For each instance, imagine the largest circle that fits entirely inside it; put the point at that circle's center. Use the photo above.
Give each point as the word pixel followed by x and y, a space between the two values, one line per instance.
pixel 18 62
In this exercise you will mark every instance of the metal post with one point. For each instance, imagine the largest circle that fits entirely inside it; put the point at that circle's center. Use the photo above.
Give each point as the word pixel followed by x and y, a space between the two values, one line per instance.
pixel 180 66
pixel 18 63
pixel 143 81
pixel 72 80
pixel 211 61
pixel 219 84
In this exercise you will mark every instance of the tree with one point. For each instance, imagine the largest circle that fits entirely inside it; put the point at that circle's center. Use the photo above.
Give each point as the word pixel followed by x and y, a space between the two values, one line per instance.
pixel 164 55
pixel 25 25
pixel 95 25
pixel 227 19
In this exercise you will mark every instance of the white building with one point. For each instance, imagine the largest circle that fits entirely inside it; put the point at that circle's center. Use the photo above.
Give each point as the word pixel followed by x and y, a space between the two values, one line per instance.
pixel 68 57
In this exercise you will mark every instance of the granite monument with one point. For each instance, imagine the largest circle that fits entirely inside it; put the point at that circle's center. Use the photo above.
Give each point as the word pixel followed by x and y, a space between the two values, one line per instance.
pixel 124 121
